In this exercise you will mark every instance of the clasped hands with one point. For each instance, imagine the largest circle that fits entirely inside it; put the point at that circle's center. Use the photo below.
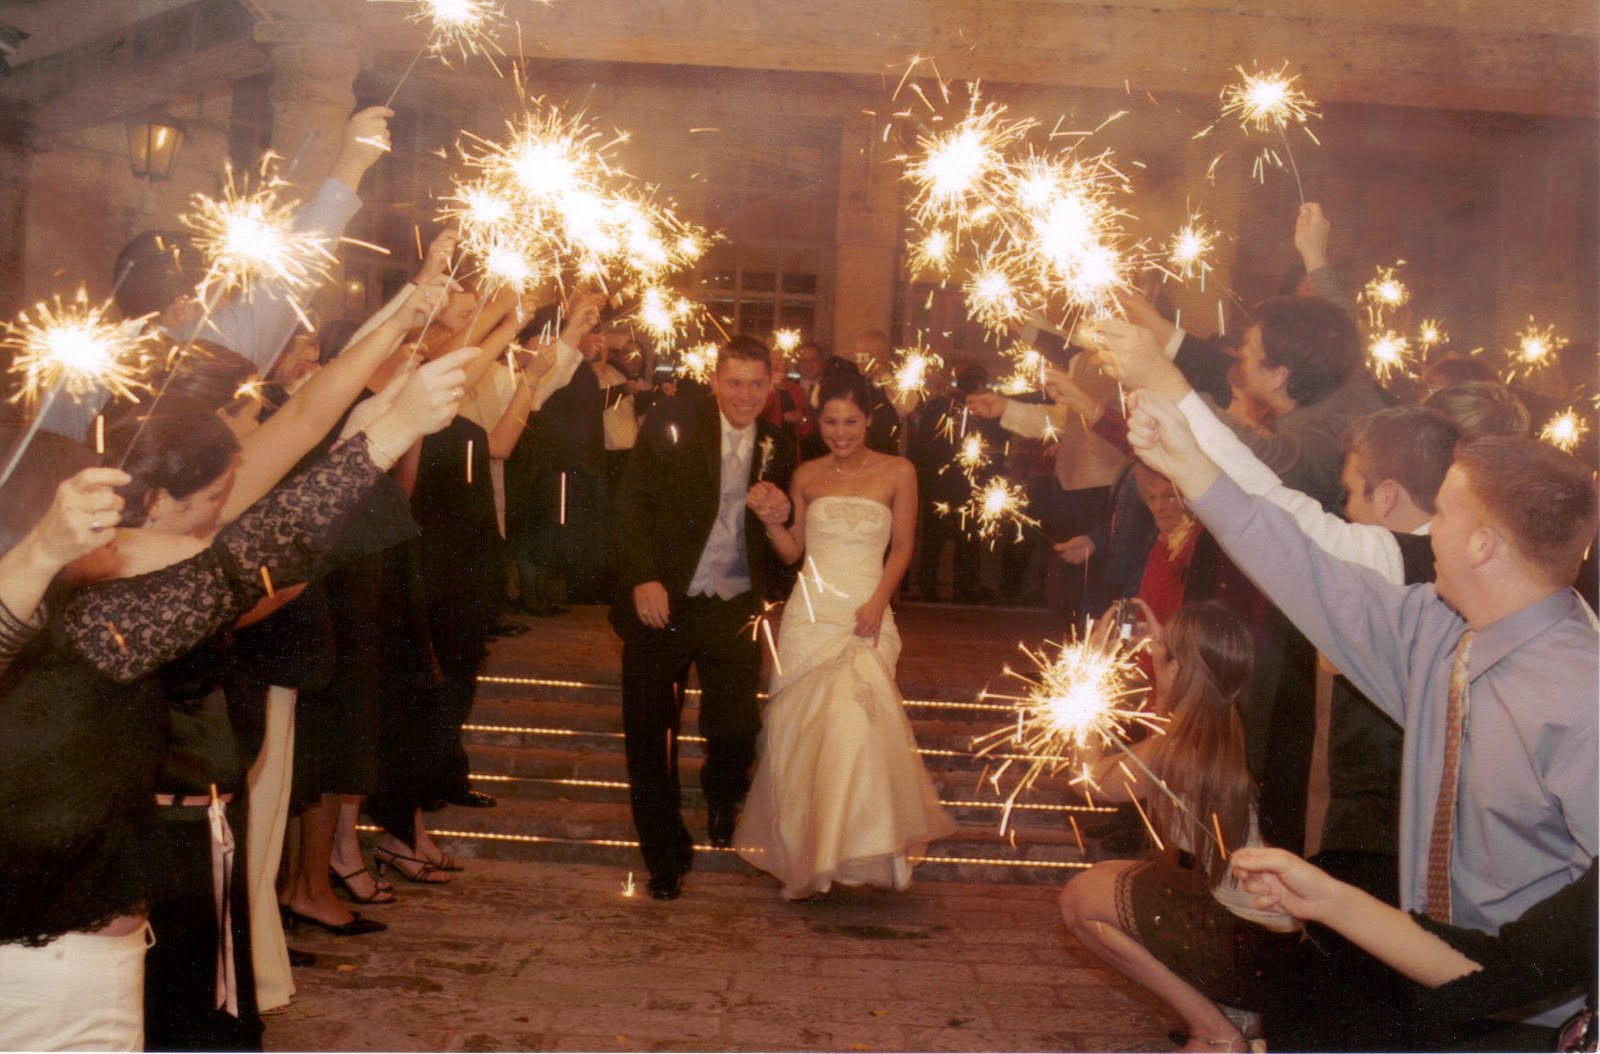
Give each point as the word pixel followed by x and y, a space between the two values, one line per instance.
pixel 769 503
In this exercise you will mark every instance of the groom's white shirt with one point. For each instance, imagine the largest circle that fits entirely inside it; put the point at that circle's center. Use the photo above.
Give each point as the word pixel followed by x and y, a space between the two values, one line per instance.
pixel 723 569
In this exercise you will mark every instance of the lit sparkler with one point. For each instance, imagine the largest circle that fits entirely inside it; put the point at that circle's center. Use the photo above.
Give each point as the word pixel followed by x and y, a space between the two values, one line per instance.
pixel 1270 102
pixel 1077 700
pixel 1385 293
pixel 1431 334
pixel 1189 250
pixel 467 27
pixel 1565 430
pixel 71 347
pixel 786 340
pixel 76 347
pixel 911 370
pixel 663 314
pixel 249 237
pixel 1388 354
pixel 994 507
pixel 700 362
pixel 1536 350
pixel 954 172
pixel 934 252
pixel 972 455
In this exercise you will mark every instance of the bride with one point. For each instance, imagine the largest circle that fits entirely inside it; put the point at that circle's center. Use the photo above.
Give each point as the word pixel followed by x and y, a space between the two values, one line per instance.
pixel 840 794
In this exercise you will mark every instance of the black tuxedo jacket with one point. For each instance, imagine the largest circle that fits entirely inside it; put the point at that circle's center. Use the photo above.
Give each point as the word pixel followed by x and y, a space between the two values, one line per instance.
pixel 670 493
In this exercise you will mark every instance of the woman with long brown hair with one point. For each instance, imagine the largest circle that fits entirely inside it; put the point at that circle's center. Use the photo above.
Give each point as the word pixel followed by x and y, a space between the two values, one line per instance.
pixel 1179 924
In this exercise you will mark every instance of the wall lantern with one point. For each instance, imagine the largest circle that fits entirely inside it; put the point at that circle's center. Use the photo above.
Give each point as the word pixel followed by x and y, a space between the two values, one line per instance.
pixel 153 146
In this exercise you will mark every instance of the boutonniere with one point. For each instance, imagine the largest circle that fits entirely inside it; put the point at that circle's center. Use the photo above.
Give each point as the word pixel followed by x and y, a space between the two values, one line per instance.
pixel 766 457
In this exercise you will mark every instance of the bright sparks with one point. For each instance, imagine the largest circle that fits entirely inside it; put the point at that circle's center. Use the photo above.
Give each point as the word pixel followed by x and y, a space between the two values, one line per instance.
pixel 1388 354
pixel 1536 348
pixel 76 346
pixel 466 27
pixel 1431 334
pixel 994 508
pixel 1385 293
pixel 786 340
pixel 552 192
pixel 248 237
pixel 1267 102
pixel 1077 699
pixel 700 362
pixel 1189 251
pixel 1565 430
pixel 911 370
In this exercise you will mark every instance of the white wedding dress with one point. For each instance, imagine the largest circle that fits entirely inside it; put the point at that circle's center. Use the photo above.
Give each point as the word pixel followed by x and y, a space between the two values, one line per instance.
pixel 840 793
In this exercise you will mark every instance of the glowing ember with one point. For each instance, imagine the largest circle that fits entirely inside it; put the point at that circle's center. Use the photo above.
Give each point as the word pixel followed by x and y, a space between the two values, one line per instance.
pixel 1388 353
pixel 1078 699
pixel 76 346
pixel 1565 430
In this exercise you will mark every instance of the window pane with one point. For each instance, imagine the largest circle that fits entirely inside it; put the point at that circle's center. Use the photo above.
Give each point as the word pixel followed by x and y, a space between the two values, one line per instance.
pixel 760 281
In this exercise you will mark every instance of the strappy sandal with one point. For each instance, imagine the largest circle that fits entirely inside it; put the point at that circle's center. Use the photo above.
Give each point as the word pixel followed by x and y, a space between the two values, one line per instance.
pixel 381 893
pixel 421 872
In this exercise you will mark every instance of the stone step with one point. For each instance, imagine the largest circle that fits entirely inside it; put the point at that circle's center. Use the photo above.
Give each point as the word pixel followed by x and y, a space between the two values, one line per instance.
pixel 602 832
pixel 592 768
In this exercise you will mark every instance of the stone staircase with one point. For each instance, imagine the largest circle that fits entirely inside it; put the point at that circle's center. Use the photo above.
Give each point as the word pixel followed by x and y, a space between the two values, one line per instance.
pixel 552 752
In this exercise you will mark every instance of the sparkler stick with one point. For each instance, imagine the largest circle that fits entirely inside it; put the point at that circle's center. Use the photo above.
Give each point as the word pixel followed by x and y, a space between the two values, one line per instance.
pixel 469 462
pixel 561 518
pixel 69 346
pixel 100 434
pixel 32 430
pixel 1077 834
pixel 1216 827
pixel 766 631
pixel 1148 826
pixel 266 580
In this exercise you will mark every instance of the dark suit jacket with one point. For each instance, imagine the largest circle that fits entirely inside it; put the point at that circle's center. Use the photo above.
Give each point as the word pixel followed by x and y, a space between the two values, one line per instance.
pixel 669 497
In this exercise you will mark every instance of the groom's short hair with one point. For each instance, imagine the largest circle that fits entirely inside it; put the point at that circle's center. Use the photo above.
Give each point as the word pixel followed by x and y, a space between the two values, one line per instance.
pixel 747 348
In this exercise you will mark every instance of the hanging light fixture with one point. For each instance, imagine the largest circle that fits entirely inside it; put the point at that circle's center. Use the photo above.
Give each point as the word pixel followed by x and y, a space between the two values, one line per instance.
pixel 153 146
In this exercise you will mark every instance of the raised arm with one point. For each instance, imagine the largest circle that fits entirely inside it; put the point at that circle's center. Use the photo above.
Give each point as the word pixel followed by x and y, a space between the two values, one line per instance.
pixel 268 453
pixel 128 627
pixel 1350 613
pixel 258 325
pixel 81 518
pixel 1365 545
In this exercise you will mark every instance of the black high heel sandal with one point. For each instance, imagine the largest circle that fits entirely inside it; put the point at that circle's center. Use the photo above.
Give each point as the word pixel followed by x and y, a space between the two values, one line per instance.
pixel 381 893
pixel 422 873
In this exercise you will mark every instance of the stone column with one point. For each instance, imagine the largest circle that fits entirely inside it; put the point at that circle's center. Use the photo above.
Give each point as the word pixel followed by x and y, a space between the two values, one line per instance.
pixel 868 232
pixel 314 67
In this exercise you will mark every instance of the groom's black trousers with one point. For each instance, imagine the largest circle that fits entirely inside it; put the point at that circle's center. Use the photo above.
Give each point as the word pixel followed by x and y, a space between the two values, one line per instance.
pixel 713 636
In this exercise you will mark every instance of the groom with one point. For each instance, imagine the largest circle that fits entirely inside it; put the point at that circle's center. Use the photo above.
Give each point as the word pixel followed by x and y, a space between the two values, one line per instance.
pixel 692 567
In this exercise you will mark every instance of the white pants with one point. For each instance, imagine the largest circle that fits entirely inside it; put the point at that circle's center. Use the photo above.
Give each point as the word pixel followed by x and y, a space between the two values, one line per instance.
pixel 270 780
pixel 81 991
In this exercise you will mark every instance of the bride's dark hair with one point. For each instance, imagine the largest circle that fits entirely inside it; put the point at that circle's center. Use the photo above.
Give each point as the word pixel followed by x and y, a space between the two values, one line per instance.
pixel 1202 757
pixel 847 385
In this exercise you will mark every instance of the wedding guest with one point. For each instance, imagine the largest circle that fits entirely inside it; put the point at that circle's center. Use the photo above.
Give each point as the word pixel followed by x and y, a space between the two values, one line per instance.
pixel 1180 924
pixel 85 716
pixel 1501 625
pixel 1462 976
pixel 154 276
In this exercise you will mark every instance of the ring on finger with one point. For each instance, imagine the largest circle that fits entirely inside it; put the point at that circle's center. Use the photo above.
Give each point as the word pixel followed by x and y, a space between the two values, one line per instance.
pixel 95 527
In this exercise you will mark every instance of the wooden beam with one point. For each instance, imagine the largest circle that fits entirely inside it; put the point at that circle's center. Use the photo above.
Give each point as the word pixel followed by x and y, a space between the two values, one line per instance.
pixel 1461 55
pixel 178 52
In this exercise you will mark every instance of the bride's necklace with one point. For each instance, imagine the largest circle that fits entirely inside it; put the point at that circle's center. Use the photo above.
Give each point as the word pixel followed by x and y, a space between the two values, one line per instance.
pixel 859 469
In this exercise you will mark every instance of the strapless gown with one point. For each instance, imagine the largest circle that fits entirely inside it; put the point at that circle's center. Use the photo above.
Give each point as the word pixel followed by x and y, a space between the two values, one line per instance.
pixel 840 793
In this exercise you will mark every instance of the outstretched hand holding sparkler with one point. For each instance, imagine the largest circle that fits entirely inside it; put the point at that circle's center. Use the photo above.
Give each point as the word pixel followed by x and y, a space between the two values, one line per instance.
pixel 1160 435
pixel 366 139
pixel 1131 354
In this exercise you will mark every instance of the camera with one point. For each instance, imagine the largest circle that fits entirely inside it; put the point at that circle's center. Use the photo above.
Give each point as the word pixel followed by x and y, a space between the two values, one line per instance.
pixel 1125 614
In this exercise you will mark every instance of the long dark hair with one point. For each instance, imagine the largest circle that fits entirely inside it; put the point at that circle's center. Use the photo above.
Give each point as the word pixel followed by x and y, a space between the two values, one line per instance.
pixel 1202 756
pixel 180 447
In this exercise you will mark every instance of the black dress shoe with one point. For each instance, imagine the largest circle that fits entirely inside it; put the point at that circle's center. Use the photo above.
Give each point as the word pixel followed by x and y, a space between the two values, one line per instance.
pixel 472 799
pixel 720 823
pixel 300 958
pixel 666 887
